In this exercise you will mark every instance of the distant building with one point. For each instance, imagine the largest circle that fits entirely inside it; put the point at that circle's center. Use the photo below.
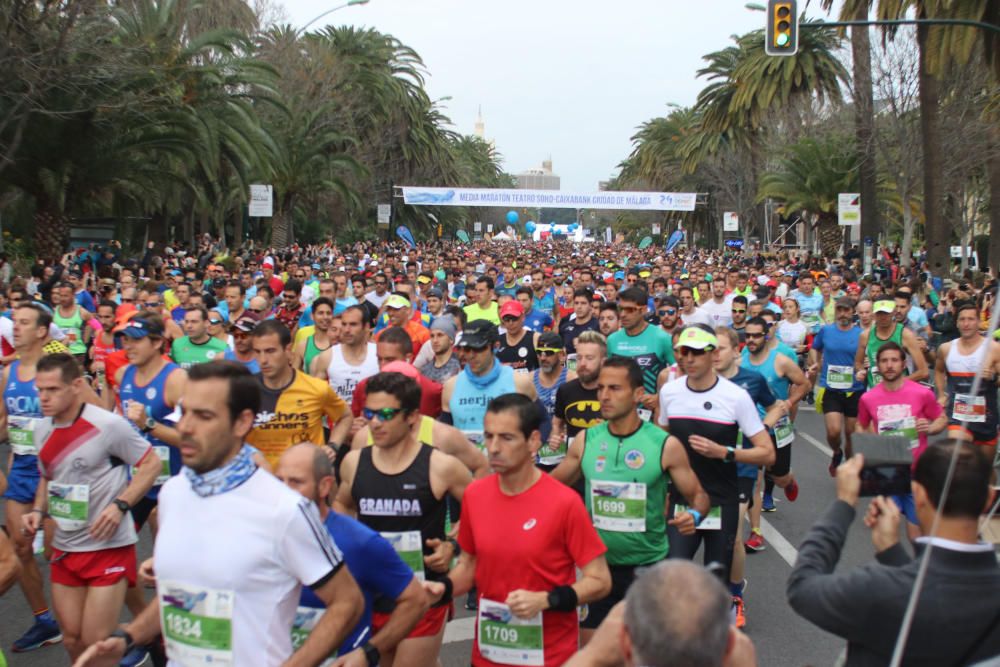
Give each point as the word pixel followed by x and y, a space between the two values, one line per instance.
pixel 479 129
pixel 538 178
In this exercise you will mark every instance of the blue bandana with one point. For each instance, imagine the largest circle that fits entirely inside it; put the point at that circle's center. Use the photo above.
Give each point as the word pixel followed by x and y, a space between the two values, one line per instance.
pixel 483 381
pixel 226 478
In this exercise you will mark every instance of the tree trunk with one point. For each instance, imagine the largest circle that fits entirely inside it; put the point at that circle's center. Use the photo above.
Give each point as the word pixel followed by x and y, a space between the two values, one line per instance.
pixel 936 232
pixel 51 234
pixel 993 173
pixel 906 251
pixel 831 235
pixel 281 228
pixel 864 124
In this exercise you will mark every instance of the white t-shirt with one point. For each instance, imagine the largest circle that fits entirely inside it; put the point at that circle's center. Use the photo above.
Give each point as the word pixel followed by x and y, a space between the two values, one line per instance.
pixel 375 299
pixel 718 314
pixel 249 550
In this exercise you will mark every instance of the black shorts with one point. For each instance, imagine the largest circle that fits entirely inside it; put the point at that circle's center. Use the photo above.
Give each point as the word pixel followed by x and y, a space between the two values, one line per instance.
pixel 141 511
pixel 843 402
pixel 782 462
pixel 746 485
pixel 622 577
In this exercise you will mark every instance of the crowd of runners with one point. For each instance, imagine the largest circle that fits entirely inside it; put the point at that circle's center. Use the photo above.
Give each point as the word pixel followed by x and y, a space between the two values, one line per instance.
pixel 333 446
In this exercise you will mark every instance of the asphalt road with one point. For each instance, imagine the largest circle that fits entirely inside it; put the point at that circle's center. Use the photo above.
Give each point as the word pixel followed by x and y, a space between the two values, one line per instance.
pixel 782 638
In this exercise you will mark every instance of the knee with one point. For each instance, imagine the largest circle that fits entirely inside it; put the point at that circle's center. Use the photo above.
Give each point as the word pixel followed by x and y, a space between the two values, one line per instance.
pixel 833 435
pixel 23 546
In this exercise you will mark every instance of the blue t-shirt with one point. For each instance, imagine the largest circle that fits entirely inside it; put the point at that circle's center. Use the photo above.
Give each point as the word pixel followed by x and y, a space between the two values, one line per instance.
pixel 538 321
pixel 547 302
pixel 372 562
pixel 838 348
pixel 251 365
pixel 756 385
pixel 86 301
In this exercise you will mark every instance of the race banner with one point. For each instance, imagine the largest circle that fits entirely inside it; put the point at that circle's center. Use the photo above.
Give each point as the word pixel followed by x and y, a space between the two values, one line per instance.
pixel 611 200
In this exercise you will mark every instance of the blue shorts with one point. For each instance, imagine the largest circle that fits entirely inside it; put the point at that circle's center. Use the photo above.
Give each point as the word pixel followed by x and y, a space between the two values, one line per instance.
pixel 906 506
pixel 22 479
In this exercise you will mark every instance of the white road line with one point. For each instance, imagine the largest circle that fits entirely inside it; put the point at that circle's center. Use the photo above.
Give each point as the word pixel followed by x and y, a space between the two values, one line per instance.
pixel 460 630
pixel 778 542
pixel 815 443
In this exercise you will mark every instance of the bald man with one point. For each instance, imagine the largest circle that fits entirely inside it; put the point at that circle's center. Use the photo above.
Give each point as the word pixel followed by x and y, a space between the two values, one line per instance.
pixel 377 568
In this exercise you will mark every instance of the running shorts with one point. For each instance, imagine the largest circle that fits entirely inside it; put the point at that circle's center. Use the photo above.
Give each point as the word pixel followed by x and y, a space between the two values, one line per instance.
pixel 982 437
pixel 745 485
pixel 22 480
pixel 838 401
pixel 105 567
pixel 429 624
pixel 622 577
pixel 782 461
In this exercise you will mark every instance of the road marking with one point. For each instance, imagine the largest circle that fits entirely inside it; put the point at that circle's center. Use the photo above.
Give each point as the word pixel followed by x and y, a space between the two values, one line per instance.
pixel 778 542
pixel 816 443
pixel 460 630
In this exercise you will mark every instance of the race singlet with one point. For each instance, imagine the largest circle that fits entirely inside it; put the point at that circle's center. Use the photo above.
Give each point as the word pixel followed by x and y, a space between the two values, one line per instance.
pixel 69 505
pixel 197 624
pixel 839 377
pixel 21 433
pixel 507 639
pixel 618 506
pixel 409 548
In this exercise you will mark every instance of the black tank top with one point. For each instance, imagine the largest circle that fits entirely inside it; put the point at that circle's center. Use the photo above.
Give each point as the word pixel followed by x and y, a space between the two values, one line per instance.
pixel 401 502
pixel 520 356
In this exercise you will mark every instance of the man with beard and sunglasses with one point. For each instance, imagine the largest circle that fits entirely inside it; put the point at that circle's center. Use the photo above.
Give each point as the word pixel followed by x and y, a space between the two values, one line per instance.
pixel 550 375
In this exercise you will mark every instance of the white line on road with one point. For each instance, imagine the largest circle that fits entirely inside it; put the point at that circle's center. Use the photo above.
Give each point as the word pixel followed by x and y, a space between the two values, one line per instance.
pixel 778 542
pixel 816 443
pixel 461 630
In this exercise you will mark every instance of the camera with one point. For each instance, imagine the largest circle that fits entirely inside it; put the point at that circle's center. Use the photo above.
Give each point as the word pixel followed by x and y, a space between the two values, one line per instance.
pixel 887 464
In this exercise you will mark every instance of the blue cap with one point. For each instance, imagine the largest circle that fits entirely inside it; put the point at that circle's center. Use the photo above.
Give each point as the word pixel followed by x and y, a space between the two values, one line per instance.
pixel 619 275
pixel 138 327
pixel 316 266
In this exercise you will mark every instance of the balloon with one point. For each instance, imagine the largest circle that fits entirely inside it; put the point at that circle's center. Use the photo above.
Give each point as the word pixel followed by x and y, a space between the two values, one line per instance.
pixel 530 227
pixel 573 227
pixel 512 217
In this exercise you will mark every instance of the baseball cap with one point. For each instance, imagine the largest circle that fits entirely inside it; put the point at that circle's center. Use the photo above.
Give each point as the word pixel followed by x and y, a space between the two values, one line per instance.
pixel 316 266
pixel 267 265
pixel 845 302
pixel 550 340
pixel 435 292
pixel 397 301
pixel 645 274
pixel 884 306
pixel 423 280
pixel 478 334
pixel 138 327
pixel 696 338
pixel 407 369
pixel 246 322
pixel 526 280
pixel 512 308
pixel 219 282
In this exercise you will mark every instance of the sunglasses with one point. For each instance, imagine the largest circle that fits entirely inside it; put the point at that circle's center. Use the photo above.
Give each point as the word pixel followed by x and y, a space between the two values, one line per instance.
pixel 685 351
pixel 152 304
pixel 630 309
pixel 215 322
pixel 739 310
pixel 300 276
pixel 510 318
pixel 256 310
pixel 670 311
pixel 380 282
pixel 754 335
pixel 384 415
pixel 544 351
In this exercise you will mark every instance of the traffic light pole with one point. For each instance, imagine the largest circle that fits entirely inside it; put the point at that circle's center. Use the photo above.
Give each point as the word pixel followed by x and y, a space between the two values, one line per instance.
pixel 968 23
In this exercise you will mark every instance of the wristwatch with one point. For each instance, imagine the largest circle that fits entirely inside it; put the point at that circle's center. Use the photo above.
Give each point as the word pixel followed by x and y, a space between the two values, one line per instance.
pixel 129 642
pixel 730 455
pixel 122 505
pixel 150 424
pixel 371 654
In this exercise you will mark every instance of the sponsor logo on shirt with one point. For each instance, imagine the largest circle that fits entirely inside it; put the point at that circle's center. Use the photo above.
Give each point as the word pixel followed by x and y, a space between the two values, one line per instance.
pixel 529 524
pixel 389 507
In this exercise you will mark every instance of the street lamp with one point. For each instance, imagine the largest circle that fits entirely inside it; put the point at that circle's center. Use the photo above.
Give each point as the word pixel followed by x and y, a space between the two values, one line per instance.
pixel 755 7
pixel 349 3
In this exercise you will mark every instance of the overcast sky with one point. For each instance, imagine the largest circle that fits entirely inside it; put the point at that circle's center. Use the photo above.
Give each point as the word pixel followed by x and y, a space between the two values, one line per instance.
pixel 570 80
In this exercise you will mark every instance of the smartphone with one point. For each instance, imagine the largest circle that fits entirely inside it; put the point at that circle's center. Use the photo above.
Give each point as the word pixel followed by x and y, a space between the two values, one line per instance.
pixel 887 464
pixel 885 480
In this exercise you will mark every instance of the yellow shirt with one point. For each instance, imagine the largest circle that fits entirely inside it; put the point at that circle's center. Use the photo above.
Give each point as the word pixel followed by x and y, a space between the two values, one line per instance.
pixel 476 312
pixel 304 332
pixel 169 300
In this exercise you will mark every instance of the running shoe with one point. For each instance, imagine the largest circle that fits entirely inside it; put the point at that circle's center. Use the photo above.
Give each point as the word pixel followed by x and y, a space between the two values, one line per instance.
pixel 136 657
pixel 741 612
pixel 768 504
pixel 42 633
pixel 792 491
pixel 835 462
pixel 755 542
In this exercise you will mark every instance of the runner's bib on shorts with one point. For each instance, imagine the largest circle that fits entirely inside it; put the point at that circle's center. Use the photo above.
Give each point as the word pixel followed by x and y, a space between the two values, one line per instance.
pixel 408 547
pixel 21 433
pixel 969 408
pixel 69 505
pixel 163 453
pixel 839 377
pixel 507 639
pixel 197 624
pixel 618 506
pixel 305 622
pixel 904 426
pixel 784 432
pixel 711 521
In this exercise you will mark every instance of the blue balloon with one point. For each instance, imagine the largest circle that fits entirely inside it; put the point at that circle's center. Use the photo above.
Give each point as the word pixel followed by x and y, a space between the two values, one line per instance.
pixel 530 227
pixel 512 217
pixel 573 227
pixel 552 222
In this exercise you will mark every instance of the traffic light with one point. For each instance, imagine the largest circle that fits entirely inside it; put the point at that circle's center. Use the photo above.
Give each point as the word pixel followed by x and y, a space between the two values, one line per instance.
pixel 782 37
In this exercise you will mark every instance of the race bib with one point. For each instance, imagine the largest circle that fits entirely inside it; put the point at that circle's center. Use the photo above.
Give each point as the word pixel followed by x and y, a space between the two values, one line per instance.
pixel 21 433
pixel 69 505
pixel 618 506
pixel 409 546
pixel 163 453
pixel 509 640
pixel 811 320
pixel 644 414
pixel 967 408
pixel 876 378
pixel 305 622
pixel 711 521
pixel 551 456
pixel 571 362
pixel 904 426
pixel 784 432
pixel 197 624
pixel 476 438
pixel 839 377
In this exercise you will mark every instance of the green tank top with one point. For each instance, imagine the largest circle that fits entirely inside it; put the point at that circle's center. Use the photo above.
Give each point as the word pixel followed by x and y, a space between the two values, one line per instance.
pixel 186 353
pixel 311 353
pixel 72 326
pixel 626 492
pixel 872 348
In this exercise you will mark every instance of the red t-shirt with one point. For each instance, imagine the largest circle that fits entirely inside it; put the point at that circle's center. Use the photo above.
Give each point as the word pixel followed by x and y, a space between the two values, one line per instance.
pixel 533 541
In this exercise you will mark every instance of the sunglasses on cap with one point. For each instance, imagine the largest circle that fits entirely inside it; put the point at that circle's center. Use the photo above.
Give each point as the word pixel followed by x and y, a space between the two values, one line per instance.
pixel 542 351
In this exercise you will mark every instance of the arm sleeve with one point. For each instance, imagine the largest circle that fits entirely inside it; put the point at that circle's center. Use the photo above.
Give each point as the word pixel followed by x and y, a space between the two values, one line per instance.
pixel 932 408
pixel 384 570
pixel 306 549
pixel 837 603
pixel 864 416
pixel 333 405
pixel 581 537
pixel 818 340
pixel 125 442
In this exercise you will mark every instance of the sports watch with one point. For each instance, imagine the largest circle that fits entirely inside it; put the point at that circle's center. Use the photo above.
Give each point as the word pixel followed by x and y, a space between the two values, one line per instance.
pixel 372 654
pixel 150 424
pixel 122 505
